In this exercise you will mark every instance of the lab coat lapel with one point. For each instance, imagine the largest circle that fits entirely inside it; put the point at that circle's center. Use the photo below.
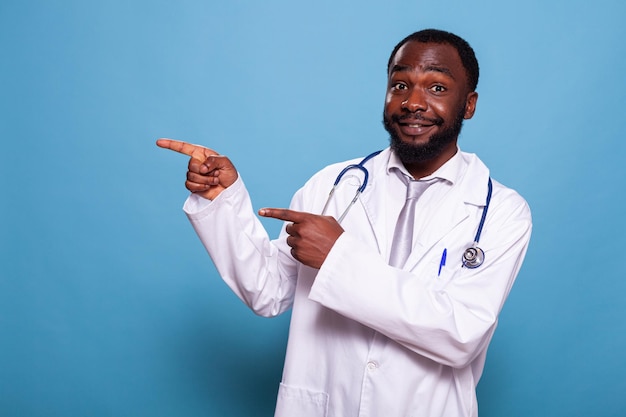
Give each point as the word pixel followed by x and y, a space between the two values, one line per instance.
pixel 453 209
pixel 450 213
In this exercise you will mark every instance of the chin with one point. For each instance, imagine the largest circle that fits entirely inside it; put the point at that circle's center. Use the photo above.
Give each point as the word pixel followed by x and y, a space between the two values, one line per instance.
pixel 415 141
pixel 411 151
pixel 414 149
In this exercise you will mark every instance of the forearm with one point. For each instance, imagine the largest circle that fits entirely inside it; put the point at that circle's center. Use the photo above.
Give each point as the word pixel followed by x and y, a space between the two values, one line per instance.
pixel 447 319
pixel 255 268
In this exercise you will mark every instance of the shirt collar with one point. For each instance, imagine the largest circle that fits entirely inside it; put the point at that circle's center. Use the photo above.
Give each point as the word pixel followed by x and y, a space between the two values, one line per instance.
pixel 450 171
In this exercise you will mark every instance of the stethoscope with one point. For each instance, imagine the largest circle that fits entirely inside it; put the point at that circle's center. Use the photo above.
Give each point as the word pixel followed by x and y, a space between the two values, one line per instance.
pixel 360 166
pixel 472 258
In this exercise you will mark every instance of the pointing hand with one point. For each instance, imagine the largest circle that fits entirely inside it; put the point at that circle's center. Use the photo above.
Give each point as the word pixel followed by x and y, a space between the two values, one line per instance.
pixel 209 173
pixel 311 236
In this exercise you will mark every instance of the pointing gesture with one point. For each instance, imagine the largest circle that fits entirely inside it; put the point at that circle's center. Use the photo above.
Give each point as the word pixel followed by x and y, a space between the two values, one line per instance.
pixel 209 173
pixel 311 236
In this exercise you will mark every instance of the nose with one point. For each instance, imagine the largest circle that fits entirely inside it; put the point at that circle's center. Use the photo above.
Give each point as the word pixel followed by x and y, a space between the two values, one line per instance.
pixel 415 101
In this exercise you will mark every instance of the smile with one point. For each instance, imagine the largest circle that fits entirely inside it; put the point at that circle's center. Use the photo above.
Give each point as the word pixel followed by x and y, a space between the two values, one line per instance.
pixel 415 129
pixel 416 124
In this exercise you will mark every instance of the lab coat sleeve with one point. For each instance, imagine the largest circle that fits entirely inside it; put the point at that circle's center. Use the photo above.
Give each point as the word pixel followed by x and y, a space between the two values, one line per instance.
pixel 260 272
pixel 450 323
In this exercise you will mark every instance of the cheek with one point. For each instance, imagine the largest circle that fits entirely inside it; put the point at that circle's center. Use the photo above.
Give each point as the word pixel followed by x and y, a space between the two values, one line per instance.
pixel 449 108
pixel 440 108
pixel 392 103
pixel 386 108
pixel 388 99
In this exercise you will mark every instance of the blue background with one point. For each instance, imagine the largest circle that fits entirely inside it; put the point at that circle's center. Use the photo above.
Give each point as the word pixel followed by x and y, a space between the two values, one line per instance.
pixel 109 305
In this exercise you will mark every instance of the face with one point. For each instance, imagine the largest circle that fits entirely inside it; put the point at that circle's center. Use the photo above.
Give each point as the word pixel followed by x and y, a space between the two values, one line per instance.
pixel 427 99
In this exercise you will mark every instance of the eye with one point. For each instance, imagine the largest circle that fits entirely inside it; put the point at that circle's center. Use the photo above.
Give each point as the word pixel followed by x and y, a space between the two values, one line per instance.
pixel 398 86
pixel 437 88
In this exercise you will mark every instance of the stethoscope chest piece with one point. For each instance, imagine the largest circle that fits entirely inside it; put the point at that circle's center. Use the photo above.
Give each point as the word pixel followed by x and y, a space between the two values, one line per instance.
pixel 473 257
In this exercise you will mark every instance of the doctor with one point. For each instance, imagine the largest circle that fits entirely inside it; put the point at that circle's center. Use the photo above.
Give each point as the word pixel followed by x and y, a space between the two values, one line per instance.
pixel 367 338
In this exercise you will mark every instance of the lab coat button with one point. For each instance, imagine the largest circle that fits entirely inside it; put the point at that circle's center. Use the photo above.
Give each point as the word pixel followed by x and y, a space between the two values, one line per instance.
pixel 372 365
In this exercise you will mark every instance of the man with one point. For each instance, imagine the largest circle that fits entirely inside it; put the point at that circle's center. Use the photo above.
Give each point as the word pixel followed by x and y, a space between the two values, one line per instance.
pixel 371 334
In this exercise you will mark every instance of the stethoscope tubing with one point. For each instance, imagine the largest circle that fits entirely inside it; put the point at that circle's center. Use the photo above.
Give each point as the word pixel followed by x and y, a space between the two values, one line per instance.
pixel 484 215
pixel 477 254
pixel 360 166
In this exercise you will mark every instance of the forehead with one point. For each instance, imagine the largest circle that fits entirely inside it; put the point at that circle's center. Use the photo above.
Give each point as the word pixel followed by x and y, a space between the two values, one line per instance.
pixel 421 56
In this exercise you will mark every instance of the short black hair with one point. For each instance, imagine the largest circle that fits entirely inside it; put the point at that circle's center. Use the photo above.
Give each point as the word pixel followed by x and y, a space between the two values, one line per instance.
pixel 466 53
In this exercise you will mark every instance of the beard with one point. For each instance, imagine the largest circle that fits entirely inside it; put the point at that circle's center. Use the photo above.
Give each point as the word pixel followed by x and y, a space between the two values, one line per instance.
pixel 410 153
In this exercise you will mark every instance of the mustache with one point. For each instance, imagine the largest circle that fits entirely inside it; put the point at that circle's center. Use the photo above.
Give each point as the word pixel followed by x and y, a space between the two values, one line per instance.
pixel 416 117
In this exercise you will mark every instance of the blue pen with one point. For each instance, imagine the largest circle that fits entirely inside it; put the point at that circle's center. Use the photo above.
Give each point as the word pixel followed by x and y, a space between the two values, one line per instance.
pixel 443 260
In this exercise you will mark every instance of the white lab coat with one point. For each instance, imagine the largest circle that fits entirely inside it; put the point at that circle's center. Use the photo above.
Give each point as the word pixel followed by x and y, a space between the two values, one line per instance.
pixel 367 339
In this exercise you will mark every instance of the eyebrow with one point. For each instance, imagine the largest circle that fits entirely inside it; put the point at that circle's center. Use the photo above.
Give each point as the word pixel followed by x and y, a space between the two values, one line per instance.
pixel 429 68
pixel 399 68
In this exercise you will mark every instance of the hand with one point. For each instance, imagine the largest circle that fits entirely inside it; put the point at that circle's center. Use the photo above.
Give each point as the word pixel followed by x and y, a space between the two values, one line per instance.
pixel 311 236
pixel 209 173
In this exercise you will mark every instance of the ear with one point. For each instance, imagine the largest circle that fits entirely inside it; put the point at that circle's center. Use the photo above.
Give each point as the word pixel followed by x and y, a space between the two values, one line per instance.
pixel 470 105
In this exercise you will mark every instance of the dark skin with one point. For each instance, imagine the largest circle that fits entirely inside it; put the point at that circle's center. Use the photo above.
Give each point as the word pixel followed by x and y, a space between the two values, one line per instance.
pixel 426 80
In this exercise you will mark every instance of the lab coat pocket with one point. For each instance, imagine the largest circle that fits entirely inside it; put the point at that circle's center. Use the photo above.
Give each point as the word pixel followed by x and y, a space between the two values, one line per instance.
pixel 441 267
pixel 300 402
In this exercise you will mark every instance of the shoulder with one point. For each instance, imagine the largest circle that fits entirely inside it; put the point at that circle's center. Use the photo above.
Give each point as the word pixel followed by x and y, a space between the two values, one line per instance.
pixel 509 206
pixel 504 198
pixel 329 173
pixel 312 195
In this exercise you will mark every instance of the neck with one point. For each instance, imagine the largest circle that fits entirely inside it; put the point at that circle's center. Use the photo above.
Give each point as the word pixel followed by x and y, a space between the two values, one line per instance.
pixel 423 169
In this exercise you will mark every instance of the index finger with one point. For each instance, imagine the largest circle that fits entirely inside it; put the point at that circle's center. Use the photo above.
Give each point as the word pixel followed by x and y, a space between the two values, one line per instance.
pixel 283 214
pixel 194 151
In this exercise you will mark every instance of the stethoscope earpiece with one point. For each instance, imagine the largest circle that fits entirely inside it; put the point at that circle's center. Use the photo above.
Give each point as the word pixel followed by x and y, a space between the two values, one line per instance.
pixel 473 257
